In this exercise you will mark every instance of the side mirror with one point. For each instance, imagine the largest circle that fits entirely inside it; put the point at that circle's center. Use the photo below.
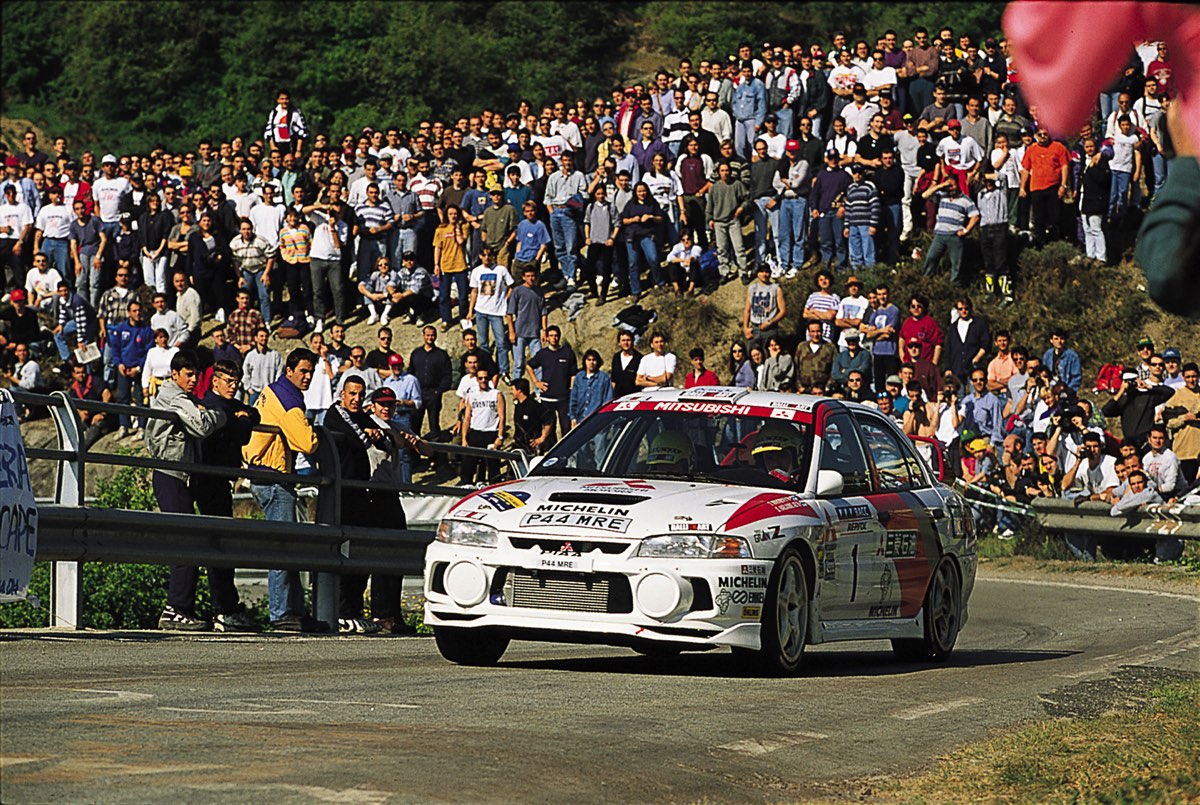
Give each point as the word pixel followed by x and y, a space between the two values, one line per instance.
pixel 829 483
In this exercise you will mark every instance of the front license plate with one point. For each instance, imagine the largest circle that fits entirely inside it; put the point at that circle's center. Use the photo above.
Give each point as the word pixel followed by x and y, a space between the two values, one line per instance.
pixel 573 564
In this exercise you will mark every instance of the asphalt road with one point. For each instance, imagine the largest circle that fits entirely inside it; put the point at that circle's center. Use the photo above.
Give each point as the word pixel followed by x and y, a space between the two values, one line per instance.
pixel 142 717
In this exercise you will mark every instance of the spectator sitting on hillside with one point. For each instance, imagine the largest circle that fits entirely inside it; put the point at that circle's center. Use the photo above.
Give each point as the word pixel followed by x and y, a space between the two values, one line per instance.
pixel 262 366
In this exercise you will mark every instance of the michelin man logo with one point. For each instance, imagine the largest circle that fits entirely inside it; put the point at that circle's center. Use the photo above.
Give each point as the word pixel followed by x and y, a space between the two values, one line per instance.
pixel 723 601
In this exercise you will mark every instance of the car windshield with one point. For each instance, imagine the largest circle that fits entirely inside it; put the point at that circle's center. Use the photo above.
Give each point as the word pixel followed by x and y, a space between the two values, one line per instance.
pixel 734 449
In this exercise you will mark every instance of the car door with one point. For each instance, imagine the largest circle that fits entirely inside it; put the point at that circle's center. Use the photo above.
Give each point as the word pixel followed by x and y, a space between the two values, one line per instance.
pixel 846 554
pixel 905 507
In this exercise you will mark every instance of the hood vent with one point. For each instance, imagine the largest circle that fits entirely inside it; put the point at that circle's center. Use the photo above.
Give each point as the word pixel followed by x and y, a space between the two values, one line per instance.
pixel 603 498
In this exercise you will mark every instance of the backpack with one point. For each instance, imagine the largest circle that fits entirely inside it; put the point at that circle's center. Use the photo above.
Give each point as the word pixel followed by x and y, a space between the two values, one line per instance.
pixel 634 319
pixel 292 327
pixel 1109 377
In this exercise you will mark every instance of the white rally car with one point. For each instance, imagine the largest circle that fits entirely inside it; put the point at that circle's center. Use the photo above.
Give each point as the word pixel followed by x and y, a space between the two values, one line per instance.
pixel 677 520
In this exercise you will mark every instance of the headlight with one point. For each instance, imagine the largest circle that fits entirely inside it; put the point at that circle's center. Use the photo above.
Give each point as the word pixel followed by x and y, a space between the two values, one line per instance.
pixel 694 546
pixel 464 532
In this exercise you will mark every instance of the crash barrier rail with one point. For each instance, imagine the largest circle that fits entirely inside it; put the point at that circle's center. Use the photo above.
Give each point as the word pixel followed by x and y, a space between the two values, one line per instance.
pixel 1154 521
pixel 69 533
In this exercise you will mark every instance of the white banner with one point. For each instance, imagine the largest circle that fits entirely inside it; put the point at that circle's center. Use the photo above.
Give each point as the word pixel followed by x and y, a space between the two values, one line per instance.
pixel 18 511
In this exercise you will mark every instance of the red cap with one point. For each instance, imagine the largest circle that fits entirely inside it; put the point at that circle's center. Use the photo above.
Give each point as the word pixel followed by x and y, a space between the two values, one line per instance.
pixel 793 145
pixel 18 295
pixel 953 124
pixel 12 162
pixel 395 360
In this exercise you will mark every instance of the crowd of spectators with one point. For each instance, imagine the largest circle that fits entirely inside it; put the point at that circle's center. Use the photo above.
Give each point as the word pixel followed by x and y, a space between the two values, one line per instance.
pixel 754 165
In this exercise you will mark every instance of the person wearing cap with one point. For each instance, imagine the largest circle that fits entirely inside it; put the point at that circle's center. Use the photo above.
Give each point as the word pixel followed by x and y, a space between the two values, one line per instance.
pixel 960 155
pixel 783 90
pixel 498 226
pixel 1045 170
pixel 1181 415
pixel 852 311
pixel 957 215
pixel 764 170
pixel 1135 402
pixel 1145 351
pixel 109 191
pixel 853 358
pixel 1172 377
pixel 858 112
pixel 792 183
pixel 861 219
pixel 749 107
pixel 406 391
pixel 777 450
pixel 993 235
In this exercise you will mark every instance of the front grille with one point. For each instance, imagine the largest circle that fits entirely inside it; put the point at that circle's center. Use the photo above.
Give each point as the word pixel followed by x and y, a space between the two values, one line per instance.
pixel 569 592
pixel 555 544
pixel 601 498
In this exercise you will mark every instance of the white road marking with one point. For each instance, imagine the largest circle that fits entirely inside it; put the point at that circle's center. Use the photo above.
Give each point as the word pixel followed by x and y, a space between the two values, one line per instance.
pixel 343 796
pixel 933 708
pixel 111 696
pixel 359 704
pixel 764 746
pixel 1104 588
pixel 242 712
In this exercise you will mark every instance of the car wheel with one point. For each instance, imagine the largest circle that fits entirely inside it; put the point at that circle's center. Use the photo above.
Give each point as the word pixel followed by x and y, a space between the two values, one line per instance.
pixel 469 646
pixel 943 618
pixel 785 618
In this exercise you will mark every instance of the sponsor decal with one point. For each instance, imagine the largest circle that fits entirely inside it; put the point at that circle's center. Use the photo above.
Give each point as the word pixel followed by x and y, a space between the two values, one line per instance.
pixel 478 514
pixel 827 560
pixel 704 408
pixel 751 613
pixel 795 405
pixel 722 601
pixel 689 526
pixel 619 487
pixel 856 527
pixel 766 534
pixel 754 570
pixel 884 611
pixel 583 508
pixel 567 549
pixel 792 503
pixel 779 413
pixel 550 462
pixel 885 583
pixel 746 597
pixel 713 393
pixel 742 581
pixel 626 405
pixel 503 501
pixel 852 512
pixel 598 522
pixel 900 544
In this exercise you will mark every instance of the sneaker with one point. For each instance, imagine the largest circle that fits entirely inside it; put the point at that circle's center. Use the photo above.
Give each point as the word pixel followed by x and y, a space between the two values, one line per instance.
pixel 122 432
pixel 372 318
pixel 506 380
pixel 319 327
pixel 299 623
pixel 357 626
pixel 220 315
pixel 5 298
pixel 791 273
pixel 237 621
pixel 174 621
pixel 383 321
pixel 420 322
pixel 1007 533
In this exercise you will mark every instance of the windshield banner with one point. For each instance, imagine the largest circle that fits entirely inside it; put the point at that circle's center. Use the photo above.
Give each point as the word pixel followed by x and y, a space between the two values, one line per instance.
pixel 18 511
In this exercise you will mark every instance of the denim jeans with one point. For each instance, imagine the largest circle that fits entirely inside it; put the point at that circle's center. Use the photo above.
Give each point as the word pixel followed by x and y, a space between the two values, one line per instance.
pixel 1118 196
pixel 368 252
pixel 256 281
pixel 763 218
pixel 792 233
pixel 862 247
pixel 784 116
pixel 284 593
pixel 1159 165
pixel 890 242
pixel 59 252
pixel 60 338
pixel 488 326
pixel 129 392
pixel 459 278
pixel 833 241
pixel 402 242
pixel 564 231
pixel 534 345
pixel 87 284
pixel 649 252
pixel 743 137
pixel 730 249
pixel 327 278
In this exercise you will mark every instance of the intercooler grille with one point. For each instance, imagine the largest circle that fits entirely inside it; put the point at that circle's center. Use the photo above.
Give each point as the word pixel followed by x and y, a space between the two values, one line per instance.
pixel 571 592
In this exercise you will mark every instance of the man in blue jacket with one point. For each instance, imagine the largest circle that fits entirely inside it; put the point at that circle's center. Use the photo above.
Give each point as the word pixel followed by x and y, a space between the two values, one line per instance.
pixel 591 390
pixel 1063 361
pixel 749 110
pixel 129 342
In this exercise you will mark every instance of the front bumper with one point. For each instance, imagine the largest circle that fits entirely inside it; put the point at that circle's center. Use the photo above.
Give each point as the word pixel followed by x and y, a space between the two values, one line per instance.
pixel 606 595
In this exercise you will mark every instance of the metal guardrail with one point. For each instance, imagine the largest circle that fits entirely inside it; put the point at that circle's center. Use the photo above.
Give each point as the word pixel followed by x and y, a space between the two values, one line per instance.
pixel 69 533
pixel 1156 521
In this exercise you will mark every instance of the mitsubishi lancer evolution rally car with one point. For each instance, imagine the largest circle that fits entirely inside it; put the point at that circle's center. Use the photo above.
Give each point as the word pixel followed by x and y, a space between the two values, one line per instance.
pixel 676 520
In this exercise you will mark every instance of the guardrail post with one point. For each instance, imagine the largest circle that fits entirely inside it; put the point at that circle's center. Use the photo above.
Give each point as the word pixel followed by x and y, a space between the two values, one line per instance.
pixel 66 587
pixel 326 586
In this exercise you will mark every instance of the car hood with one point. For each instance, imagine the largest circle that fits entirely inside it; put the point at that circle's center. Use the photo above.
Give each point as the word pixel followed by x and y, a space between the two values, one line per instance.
pixel 625 508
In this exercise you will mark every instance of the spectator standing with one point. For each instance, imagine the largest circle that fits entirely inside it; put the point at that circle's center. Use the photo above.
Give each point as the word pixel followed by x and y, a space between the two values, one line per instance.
pixel 16 223
pixel 52 232
pixel 488 306
pixel 330 232
pixel 563 186
pixel 211 264
pixel 1182 418
pixel 295 255
pixel 981 411
pixel 533 421
pixel 765 308
pixel 177 439
pixel 699 375
pixel 450 264
pixel 526 319
pixel 153 228
pixel 430 364
pixel 552 370
pixel 282 405
pixel 826 197
pixel 814 361
pixel 657 368
pixel 483 426
pixel 89 245
pixel 286 130
pixel 861 218
pixel 922 327
pixel 1044 180
pixel 851 313
pixel 625 362
pixel 73 316
pixel 407 411
pixel 724 206
pixel 129 342
pixel 253 258
pixel 262 366
pixel 1062 361
pixel 187 305
pixel 41 283
pixel 957 215
pixel 600 228
pixel 590 390
pixel 883 334
pixel 163 318
pixel 372 229
pixel 968 342
pixel 791 184
pixel 993 235
pixel 749 107
pixel 499 227
pixel 822 304
pixel 223 448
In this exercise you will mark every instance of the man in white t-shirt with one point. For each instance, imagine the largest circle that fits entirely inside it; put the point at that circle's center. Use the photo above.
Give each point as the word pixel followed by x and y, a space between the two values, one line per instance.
pixel 16 219
pixel 107 191
pixel 1126 166
pixel 490 286
pixel 483 426
pixel 657 369
pixel 52 230
pixel 850 311
pixel 960 155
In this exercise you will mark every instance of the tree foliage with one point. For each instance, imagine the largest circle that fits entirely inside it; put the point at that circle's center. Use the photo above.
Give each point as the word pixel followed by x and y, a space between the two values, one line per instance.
pixel 136 74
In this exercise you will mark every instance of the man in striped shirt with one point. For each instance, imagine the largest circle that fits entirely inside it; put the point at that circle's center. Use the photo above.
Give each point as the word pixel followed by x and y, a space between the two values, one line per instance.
pixel 862 218
pixel 957 215
pixel 373 222
pixel 253 257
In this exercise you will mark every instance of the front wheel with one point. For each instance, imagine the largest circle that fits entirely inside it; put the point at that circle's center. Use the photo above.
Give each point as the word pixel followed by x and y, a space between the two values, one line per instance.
pixel 943 618
pixel 469 646
pixel 784 619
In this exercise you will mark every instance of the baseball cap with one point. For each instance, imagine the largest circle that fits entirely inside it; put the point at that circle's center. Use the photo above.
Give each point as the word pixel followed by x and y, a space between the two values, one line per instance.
pixel 1145 341
pixel 771 118
pixel 383 394
pixel 885 93
pixel 893 380
pixel 857 168
pixel 72 165
pixel 12 162
pixel 916 341
pixel 395 360
pixel 853 280
pixel 953 123
pixel 1171 354
pixel 792 145
pixel 859 88
pixel 853 335
pixel 496 191
pixel 907 117
pixel 18 295
pixel 882 395
pixel 408 256
pixel 630 91
pixel 108 158
pixel 1129 375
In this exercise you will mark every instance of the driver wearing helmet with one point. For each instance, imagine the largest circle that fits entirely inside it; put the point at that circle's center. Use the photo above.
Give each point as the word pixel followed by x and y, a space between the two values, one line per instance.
pixel 777 450
pixel 672 451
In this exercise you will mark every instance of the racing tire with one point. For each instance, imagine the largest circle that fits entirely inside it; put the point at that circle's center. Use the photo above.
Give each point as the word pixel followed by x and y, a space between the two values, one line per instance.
pixel 784 631
pixel 469 646
pixel 943 618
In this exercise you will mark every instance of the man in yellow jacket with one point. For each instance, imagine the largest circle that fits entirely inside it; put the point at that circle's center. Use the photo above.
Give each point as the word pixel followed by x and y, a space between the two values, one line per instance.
pixel 282 404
